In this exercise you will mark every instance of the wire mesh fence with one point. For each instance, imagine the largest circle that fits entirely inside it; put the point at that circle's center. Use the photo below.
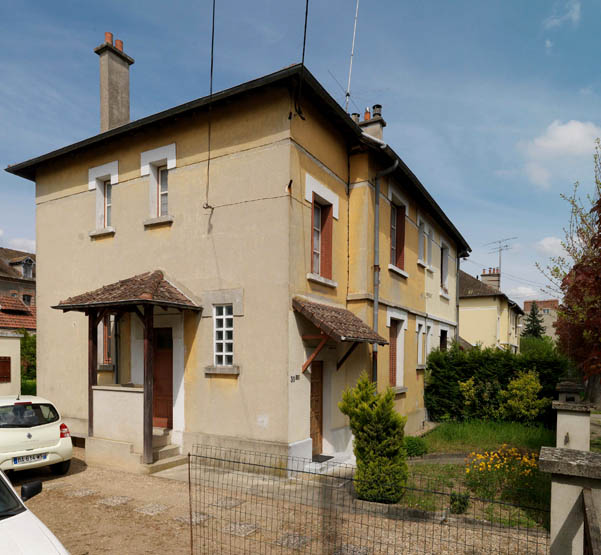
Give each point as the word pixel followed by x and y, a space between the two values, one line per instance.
pixel 244 502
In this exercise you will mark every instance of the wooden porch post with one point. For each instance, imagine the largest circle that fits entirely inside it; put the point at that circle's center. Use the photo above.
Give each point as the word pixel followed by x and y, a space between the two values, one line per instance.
pixel 92 366
pixel 148 380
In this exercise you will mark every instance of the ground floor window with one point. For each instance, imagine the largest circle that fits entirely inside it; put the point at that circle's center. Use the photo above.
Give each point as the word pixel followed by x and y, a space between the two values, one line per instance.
pixel 397 353
pixel 223 318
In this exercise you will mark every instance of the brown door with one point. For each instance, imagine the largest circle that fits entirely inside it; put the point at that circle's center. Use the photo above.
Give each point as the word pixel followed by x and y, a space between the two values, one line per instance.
pixel 317 406
pixel 162 395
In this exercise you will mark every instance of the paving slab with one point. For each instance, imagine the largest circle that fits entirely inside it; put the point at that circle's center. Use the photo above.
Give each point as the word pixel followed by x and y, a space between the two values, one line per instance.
pixel 152 509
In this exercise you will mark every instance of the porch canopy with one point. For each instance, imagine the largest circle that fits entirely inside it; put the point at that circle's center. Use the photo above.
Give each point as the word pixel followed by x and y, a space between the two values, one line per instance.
pixel 338 324
pixel 144 291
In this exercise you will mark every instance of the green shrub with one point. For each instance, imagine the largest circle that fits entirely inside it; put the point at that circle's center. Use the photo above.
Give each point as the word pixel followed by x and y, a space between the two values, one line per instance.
pixel 520 401
pixel 415 446
pixel 459 502
pixel 28 386
pixel 378 445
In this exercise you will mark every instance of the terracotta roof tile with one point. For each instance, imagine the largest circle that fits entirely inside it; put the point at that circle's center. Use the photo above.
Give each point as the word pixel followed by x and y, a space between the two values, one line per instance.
pixel 13 304
pixel 469 286
pixel 149 287
pixel 14 314
pixel 340 324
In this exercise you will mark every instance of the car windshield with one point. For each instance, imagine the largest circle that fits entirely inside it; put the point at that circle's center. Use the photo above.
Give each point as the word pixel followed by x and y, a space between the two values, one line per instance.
pixel 9 502
pixel 27 415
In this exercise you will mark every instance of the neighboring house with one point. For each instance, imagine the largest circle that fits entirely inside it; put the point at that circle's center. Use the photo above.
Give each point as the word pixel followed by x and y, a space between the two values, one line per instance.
pixel 486 315
pixel 548 310
pixel 17 275
pixel 234 311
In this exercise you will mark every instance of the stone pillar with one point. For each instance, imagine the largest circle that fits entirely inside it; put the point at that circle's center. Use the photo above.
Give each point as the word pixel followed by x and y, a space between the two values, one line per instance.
pixel 573 425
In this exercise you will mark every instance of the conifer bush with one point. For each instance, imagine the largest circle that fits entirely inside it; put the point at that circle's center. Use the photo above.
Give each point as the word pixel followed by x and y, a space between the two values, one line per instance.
pixel 378 445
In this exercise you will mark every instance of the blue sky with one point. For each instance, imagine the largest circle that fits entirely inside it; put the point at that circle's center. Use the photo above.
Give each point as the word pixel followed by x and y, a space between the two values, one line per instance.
pixel 494 105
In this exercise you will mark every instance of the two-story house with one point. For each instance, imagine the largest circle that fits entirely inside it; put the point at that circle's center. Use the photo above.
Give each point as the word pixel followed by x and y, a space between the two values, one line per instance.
pixel 228 294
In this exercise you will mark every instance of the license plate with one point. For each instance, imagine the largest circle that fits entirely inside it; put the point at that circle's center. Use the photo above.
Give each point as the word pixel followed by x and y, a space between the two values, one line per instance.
pixel 30 458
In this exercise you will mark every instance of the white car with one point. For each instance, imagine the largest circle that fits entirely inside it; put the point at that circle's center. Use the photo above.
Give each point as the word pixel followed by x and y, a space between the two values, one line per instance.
pixel 21 532
pixel 33 435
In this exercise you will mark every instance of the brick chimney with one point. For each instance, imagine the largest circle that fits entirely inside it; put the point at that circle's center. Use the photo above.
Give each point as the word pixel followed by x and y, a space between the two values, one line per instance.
pixel 114 83
pixel 373 123
pixel 492 277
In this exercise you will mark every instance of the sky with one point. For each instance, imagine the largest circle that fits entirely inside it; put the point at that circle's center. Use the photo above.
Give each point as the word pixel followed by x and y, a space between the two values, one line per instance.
pixel 494 105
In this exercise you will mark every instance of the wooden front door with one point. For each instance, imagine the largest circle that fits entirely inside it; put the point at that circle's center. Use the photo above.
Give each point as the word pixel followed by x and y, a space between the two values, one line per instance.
pixel 317 406
pixel 162 394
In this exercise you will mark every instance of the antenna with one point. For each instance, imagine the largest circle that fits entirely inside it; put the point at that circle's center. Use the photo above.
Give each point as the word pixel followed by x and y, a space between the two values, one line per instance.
pixel 350 69
pixel 501 245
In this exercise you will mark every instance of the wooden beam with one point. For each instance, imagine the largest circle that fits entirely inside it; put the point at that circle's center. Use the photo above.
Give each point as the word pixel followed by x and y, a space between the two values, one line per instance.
pixel 317 350
pixel 148 381
pixel 136 310
pixel 92 367
pixel 311 337
pixel 346 355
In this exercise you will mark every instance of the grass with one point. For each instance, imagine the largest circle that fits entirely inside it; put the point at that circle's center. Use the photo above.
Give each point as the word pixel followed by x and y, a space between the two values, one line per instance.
pixel 480 435
pixel 28 386
pixel 596 445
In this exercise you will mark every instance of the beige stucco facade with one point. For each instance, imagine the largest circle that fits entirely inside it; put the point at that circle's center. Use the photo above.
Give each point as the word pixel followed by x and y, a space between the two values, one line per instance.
pixel 250 248
pixel 10 346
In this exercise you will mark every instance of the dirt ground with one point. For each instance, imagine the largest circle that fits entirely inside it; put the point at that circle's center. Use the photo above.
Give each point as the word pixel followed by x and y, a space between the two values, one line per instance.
pixel 94 510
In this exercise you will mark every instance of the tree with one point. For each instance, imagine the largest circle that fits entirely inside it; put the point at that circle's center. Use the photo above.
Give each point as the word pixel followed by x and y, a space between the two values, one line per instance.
pixel 378 445
pixel 28 356
pixel 534 323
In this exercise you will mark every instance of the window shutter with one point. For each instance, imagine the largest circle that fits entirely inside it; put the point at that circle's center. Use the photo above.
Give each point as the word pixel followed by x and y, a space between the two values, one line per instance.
pixel 4 369
pixel 400 241
pixel 326 241
pixel 392 350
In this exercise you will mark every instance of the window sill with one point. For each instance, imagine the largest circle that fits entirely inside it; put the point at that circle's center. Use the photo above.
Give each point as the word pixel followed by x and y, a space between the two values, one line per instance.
pixel 106 367
pixel 161 220
pixel 397 270
pixel 445 295
pixel 104 232
pixel 420 367
pixel 316 278
pixel 222 370
pixel 423 264
pixel 400 389
pixel 430 269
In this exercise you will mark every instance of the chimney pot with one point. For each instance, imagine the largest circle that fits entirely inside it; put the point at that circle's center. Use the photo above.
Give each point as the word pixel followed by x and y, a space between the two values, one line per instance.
pixel 484 270
pixel 377 110
pixel 355 117
pixel 108 37
pixel 119 45
pixel 367 115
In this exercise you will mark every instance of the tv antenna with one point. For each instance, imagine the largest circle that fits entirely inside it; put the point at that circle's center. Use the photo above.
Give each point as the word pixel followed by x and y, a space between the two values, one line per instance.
pixel 347 96
pixel 501 245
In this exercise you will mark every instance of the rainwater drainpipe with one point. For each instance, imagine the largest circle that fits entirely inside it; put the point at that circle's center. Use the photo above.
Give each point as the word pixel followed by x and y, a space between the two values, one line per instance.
pixel 374 370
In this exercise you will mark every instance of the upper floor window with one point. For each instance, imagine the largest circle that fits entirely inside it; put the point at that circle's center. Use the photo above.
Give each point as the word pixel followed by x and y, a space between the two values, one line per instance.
pixel 223 320
pixel 422 241
pixel 163 191
pixel 108 203
pixel 102 178
pixel 397 235
pixel 321 239
pixel 27 299
pixel 156 163
pixel 444 267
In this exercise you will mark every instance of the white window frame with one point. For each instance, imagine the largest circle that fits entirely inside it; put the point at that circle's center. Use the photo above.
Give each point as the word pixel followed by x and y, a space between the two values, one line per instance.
pixel 316 267
pixel 430 247
pixel 429 333
pixel 151 161
pixel 420 329
pixel 421 247
pixel 163 170
pixel 444 267
pixel 401 317
pixel 220 317
pixel 97 177
pixel 107 204
pixel 316 190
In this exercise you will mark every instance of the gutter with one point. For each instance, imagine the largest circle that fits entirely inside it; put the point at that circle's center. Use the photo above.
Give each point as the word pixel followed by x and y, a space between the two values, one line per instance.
pixel 374 362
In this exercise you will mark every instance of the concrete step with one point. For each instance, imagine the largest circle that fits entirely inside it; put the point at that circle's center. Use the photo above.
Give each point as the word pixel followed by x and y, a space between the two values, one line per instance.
pixel 160 437
pixel 164 464
pixel 160 453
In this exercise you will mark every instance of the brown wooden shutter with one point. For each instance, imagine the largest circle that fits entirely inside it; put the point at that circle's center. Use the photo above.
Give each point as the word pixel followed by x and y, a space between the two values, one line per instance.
pixel 313 270
pixel 392 351
pixel 326 241
pixel 400 237
pixel 4 369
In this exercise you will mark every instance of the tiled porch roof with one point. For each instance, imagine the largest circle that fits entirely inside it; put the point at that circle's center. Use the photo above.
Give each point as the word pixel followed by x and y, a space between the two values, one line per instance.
pixel 338 323
pixel 148 288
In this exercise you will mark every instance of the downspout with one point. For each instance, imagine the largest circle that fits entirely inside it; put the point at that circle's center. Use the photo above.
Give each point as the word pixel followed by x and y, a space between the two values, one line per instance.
pixel 374 369
pixel 457 298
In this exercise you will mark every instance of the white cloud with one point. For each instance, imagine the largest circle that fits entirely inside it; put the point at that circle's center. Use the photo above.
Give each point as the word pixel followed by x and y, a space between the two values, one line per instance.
pixel 522 292
pixel 22 244
pixel 550 246
pixel 566 12
pixel 558 149
pixel 548 46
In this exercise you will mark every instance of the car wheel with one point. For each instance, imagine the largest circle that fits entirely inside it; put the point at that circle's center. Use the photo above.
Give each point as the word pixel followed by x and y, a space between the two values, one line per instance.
pixel 60 468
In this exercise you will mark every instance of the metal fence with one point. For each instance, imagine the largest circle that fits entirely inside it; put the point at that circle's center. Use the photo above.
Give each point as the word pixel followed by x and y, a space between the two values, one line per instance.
pixel 244 502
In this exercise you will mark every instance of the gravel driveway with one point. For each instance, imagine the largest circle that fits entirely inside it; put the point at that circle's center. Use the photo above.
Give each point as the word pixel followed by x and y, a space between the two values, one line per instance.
pixel 96 510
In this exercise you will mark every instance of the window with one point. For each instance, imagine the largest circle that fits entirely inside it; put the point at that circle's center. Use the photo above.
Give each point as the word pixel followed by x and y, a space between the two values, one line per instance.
pixel 27 415
pixel 420 342
pixel 223 317
pixel 443 340
pixel 397 353
pixel 422 242
pixel 108 203
pixel 430 241
pixel 108 326
pixel 545 311
pixel 162 192
pixel 397 235
pixel 321 240
pixel 444 267
pixel 428 342
pixel 4 369
pixel 27 299
pixel 28 268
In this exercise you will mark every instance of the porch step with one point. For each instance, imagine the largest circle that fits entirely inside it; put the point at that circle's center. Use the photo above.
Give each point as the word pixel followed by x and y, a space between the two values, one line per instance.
pixel 160 437
pixel 165 452
pixel 164 464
